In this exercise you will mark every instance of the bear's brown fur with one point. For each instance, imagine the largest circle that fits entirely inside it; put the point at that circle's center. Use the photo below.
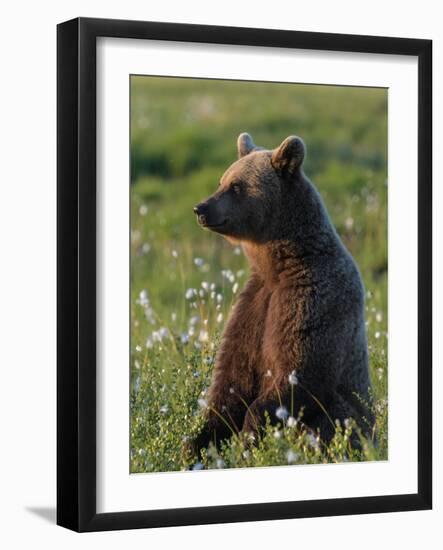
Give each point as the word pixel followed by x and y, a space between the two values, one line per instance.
pixel 300 317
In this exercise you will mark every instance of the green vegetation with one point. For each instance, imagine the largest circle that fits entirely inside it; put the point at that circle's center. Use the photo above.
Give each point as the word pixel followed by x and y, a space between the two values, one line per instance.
pixel 184 279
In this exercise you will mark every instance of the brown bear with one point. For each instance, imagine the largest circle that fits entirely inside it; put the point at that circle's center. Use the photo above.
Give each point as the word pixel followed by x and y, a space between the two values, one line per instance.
pixel 299 322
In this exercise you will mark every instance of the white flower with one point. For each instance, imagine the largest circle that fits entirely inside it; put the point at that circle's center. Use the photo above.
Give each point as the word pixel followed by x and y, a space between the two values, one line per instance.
pixel 312 441
pixel 203 336
pixel 194 320
pixel 164 409
pixel 219 298
pixel 173 317
pixel 237 251
pixel 234 287
pixel 143 210
pixel 202 403
pixel 149 314
pixel 184 338
pixel 135 236
pixel 231 390
pixel 160 334
pixel 174 253
pixel 228 274
pixel 349 223
pixel 190 293
pixel 379 317
pixel 149 343
pixel 291 456
pixel 205 285
pixel 219 317
pixel 199 262
pixel 293 380
pixel 143 299
pixel 377 334
pixel 146 247
pixel 220 463
pixel 292 422
pixel 201 293
pixel 268 373
pixel 212 286
pixel 138 348
pixel 282 413
pixel 246 454
pixel 277 434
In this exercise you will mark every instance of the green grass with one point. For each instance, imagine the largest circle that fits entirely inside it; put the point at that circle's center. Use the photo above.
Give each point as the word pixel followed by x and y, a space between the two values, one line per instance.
pixel 183 137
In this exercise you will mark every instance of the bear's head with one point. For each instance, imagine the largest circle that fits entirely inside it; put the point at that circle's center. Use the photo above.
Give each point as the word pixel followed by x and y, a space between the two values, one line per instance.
pixel 249 199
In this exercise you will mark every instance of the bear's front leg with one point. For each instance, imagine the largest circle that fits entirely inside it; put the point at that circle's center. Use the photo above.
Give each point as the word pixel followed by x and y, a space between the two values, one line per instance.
pixel 223 419
pixel 233 385
pixel 227 399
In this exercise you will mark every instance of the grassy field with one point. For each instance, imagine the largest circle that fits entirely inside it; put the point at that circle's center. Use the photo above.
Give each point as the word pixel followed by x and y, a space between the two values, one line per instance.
pixel 184 280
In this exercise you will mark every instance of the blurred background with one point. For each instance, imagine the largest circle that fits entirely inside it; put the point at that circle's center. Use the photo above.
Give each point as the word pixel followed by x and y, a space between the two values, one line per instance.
pixel 184 279
pixel 183 137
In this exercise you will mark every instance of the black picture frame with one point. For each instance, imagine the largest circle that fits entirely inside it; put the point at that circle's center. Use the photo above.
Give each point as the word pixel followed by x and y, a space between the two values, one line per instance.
pixel 76 273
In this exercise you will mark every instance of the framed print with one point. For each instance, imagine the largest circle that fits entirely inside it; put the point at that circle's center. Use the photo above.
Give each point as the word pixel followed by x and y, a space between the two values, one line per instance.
pixel 244 274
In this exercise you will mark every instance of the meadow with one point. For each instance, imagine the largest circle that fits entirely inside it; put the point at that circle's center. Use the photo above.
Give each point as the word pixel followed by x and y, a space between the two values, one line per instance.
pixel 184 280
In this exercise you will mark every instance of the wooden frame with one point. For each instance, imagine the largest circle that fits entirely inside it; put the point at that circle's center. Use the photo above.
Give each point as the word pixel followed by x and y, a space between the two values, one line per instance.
pixel 76 298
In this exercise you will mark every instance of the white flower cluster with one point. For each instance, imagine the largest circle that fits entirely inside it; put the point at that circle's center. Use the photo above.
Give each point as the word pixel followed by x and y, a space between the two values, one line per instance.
pixel 229 275
pixel 157 336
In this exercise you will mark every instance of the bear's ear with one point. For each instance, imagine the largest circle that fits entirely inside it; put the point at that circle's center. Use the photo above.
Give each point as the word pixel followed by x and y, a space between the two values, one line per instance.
pixel 288 157
pixel 245 145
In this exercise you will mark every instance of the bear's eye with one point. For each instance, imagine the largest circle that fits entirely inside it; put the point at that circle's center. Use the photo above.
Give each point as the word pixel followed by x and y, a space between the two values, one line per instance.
pixel 236 188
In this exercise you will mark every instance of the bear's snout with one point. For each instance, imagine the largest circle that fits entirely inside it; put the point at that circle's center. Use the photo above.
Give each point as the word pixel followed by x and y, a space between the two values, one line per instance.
pixel 210 215
pixel 201 216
